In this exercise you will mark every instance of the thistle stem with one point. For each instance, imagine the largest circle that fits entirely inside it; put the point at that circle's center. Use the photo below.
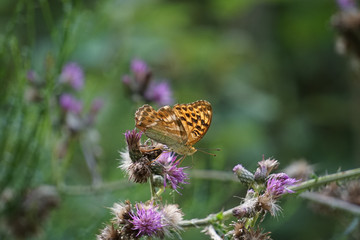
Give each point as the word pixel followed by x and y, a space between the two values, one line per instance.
pixel 210 230
pixel 307 185
pixel 160 191
pixel 152 188
pixel 332 202
pixel 319 181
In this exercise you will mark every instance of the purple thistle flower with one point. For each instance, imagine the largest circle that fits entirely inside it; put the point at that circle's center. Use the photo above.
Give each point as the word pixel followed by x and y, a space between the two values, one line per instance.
pixel 166 158
pixel 72 74
pixel 139 67
pixel 70 104
pixel 160 93
pixel 147 220
pixel 142 86
pixel 278 184
pixel 172 172
pixel 346 4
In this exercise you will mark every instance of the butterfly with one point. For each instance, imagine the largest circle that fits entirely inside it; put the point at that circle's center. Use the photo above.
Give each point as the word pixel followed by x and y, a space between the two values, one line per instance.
pixel 178 127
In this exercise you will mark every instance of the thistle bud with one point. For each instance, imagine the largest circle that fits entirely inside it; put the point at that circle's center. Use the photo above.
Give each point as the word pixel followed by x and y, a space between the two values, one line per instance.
pixel 158 181
pixel 248 207
pixel 243 174
pixel 265 168
pixel 133 143
pixel 109 233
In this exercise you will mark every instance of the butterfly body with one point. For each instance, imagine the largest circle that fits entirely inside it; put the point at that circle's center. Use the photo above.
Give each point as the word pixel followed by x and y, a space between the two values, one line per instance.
pixel 178 127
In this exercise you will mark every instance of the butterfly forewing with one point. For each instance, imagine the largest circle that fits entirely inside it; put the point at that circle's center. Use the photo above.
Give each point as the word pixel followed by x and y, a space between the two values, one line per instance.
pixel 196 119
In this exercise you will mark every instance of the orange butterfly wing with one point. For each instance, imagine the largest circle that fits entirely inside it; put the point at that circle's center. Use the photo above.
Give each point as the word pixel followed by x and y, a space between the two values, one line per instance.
pixel 195 118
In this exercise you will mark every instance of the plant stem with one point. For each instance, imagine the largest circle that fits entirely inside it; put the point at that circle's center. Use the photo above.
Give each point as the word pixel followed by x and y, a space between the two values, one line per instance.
pixel 90 161
pixel 210 230
pixel 313 183
pixel 300 187
pixel 332 202
pixel 152 188
pixel 208 220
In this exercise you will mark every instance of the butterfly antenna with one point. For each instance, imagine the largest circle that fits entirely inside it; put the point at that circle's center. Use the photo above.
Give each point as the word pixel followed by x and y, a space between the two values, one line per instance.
pixel 215 149
pixel 211 149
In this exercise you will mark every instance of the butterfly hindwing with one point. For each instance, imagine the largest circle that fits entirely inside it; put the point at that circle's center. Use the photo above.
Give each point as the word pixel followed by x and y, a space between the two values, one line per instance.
pixel 162 125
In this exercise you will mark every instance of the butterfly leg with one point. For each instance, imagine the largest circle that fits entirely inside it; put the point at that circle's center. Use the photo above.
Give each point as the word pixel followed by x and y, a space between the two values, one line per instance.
pixel 181 159
pixel 151 150
pixel 156 158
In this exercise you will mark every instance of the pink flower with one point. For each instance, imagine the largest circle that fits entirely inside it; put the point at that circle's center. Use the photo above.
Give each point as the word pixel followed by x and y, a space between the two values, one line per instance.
pixel 147 221
pixel 278 184
pixel 70 104
pixel 174 174
pixel 139 67
pixel 346 4
pixel 160 93
pixel 73 75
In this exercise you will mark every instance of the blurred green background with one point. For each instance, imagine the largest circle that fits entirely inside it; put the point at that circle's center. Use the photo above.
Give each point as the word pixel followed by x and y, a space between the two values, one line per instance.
pixel 269 68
